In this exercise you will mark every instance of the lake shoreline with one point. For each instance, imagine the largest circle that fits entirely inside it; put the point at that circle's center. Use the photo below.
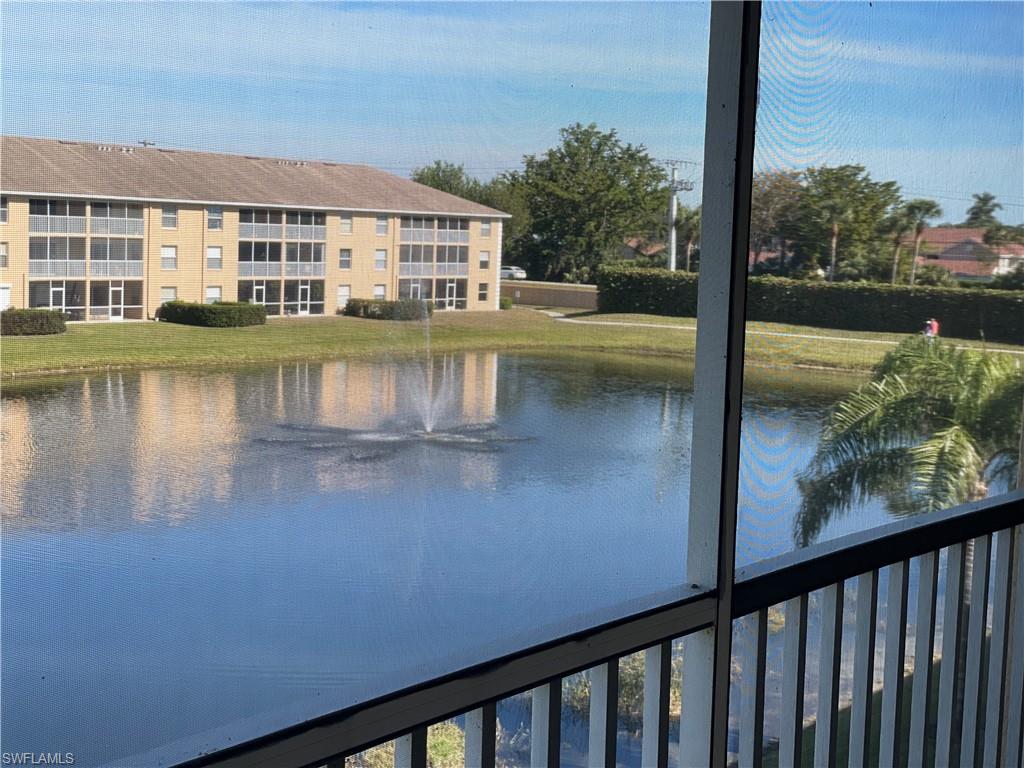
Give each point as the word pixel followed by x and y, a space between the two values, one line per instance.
pixel 115 347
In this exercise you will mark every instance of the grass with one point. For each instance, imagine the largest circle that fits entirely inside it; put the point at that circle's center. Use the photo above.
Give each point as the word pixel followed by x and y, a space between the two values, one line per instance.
pixel 91 347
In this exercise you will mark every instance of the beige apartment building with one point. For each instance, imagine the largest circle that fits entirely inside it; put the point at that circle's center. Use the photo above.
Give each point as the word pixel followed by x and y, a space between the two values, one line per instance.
pixel 110 232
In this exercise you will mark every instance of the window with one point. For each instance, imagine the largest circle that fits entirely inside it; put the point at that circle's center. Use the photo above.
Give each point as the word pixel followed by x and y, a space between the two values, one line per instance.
pixel 344 294
pixel 379 292
pixel 259 224
pixel 215 217
pixel 168 293
pixel 346 224
pixel 169 217
pixel 3 209
pixel 482 292
pixel 382 225
pixel 304 259
pixel 380 259
pixel 68 295
pixel 485 259
pixel 415 260
pixel 452 260
pixel 168 257
pixel 259 258
pixel 452 230
pixel 3 255
pixel 416 229
pixel 212 294
pixel 485 228
pixel 214 257
pixel 56 216
pixel 345 258
pixel 265 292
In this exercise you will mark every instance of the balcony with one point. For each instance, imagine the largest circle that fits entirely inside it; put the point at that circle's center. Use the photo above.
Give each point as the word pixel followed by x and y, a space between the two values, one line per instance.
pixel 101 226
pixel 304 269
pixel 416 235
pixel 56 268
pixel 61 224
pixel 453 236
pixel 115 269
pixel 259 231
pixel 259 269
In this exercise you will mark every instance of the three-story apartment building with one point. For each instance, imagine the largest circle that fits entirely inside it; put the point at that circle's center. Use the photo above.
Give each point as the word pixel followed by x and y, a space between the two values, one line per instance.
pixel 108 232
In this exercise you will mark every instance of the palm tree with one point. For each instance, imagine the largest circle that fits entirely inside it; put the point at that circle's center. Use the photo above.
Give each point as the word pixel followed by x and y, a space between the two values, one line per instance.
pixel 918 213
pixel 837 211
pixel 898 225
pixel 932 429
pixel 982 212
pixel 688 229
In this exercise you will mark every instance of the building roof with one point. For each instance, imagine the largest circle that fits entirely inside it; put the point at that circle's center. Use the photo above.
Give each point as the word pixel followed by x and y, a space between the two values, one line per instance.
pixel 644 247
pixel 52 167
pixel 963 243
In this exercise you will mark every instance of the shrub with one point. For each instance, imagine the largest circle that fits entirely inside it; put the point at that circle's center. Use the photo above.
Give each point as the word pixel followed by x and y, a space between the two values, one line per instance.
pixel 962 312
pixel 505 302
pixel 222 314
pixel 380 309
pixel 32 322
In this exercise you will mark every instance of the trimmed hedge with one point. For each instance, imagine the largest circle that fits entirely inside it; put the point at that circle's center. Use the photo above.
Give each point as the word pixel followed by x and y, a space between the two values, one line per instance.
pixel 962 312
pixel 381 309
pixel 222 314
pixel 505 302
pixel 32 322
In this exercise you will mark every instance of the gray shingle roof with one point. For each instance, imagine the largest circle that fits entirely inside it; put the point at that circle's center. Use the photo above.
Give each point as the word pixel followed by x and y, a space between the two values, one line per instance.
pixel 90 169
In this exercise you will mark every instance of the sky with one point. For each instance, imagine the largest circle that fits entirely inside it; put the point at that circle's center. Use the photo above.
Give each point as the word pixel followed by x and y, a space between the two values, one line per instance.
pixel 928 94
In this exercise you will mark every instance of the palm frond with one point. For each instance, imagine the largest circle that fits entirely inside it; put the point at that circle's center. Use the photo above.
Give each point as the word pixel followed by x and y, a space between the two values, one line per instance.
pixel 947 469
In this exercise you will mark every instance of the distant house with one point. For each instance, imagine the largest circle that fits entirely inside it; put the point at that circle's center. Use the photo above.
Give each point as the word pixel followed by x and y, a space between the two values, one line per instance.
pixel 965 254
pixel 634 248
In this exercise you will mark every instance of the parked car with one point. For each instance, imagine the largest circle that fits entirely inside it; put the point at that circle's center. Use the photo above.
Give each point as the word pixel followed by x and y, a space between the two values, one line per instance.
pixel 510 272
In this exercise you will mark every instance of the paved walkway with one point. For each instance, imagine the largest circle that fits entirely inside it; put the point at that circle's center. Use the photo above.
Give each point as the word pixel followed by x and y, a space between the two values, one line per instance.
pixel 560 317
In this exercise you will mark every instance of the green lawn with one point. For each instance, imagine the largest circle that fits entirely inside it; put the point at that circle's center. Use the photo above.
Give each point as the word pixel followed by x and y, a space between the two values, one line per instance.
pixel 124 345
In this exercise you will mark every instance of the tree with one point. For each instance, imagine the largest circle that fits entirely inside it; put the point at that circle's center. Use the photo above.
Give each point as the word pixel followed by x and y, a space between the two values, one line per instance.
pixel 774 208
pixel 982 212
pixel 932 429
pixel 451 178
pixel 1010 281
pixel 583 198
pixel 918 214
pixel 841 213
pixel 897 226
pixel 688 230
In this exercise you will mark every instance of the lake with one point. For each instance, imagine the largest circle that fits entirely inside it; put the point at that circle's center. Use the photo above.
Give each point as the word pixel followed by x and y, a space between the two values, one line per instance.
pixel 192 558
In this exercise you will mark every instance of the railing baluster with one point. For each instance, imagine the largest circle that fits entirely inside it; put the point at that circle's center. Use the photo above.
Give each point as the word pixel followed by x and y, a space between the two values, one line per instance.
pixel 973 684
pixel 794 653
pixel 657 678
pixel 1015 689
pixel 481 732
pixel 411 750
pixel 604 714
pixel 751 745
pixel 924 639
pixel 546 725
pixel 892 674
pixel 863 667
pixel 952 620
pixel 998 647
pixel 829 659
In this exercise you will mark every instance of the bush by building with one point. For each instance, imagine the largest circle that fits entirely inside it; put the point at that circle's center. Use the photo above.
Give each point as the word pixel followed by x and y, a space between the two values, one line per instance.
pixel 962 312
pixel 222 314
pixel 505 302
pixel 32 322
pixel 381 309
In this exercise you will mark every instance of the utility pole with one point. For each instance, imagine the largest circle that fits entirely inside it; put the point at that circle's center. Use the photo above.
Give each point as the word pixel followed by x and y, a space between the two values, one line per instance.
pixel 672 221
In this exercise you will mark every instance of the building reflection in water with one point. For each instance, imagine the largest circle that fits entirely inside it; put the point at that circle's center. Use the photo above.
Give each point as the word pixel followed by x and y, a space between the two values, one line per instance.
pixel 166 445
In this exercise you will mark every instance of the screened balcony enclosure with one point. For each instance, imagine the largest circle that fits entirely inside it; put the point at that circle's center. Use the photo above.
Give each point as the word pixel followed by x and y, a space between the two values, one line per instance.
pixel 711 552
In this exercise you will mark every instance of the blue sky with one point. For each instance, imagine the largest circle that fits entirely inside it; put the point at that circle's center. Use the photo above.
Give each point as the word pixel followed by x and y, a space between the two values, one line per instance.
pixel 931 95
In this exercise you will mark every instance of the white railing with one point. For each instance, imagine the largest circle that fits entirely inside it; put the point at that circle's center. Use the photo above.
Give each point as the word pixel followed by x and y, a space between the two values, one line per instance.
pixel 416 235
pixel 259 231
pixel 415 269
pixel 259 269
pixel 115 268
pixel 453 235
pixel 55 268
pixel 102 226
pixel 305 232
pixel 304 269
pixel 43 223
pixel 452 269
